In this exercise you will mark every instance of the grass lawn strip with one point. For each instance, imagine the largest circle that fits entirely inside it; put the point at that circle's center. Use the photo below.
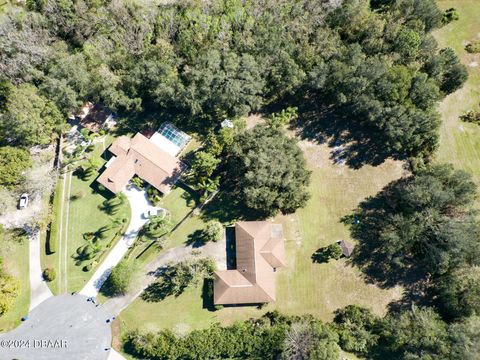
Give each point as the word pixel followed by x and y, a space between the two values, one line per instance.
pixel 60 272
pixel 73 218
pixel 460 141
pixel 67 217
pixel 15 255
pixel 52 260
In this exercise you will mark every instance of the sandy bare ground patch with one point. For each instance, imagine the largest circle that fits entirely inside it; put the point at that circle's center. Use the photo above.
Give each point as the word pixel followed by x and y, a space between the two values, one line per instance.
pixel 253 120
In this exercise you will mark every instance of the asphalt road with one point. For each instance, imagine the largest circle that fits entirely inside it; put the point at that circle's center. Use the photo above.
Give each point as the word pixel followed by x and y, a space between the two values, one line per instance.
pixel 66 327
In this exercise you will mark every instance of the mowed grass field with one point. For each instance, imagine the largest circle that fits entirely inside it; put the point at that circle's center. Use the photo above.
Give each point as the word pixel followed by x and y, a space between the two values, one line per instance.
pixel 320 289
pixel 303 286
pixel 15 261
pixel 460 141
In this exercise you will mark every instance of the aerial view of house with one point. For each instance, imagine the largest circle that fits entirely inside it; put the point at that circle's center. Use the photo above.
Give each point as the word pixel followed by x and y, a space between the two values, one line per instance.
pixel 259 252
pixel 150 159
pixel 231 179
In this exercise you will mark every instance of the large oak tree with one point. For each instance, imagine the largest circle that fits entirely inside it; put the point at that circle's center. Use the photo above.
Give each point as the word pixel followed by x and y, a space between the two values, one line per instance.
pixel 268 172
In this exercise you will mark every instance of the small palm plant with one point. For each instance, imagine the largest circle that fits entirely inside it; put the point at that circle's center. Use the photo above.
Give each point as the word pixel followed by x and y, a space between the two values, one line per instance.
pixel 208 187
pixel 157 226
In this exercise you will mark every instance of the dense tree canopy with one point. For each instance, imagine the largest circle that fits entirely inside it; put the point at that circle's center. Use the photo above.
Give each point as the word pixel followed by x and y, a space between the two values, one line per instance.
pixel 29 118
pixel 9 289
pixel 13 162
pixel 424 221
pixel 459 292
pixel 466 339
pixel 356 327
pixel 417 334
pixel 379 70
pixel 268 171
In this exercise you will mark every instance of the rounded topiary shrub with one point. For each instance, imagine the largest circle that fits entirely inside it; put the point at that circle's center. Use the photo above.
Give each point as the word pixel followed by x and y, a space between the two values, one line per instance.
pixel 49 274
pixel 87 267
pixel 213 231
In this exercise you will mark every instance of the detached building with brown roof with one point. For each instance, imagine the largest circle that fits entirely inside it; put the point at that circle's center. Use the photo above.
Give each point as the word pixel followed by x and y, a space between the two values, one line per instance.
pixel 144 158
pixel 347 248
pixel 95 117
pixel 259 252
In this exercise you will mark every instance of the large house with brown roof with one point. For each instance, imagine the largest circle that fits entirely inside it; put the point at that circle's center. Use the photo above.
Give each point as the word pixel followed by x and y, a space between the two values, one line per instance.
pixel 259 252
pixel 142 157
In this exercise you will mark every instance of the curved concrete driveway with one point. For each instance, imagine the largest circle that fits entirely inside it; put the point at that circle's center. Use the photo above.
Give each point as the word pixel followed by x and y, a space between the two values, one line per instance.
pixel 216 250
pixel 62 327
pixel 39 291
pixel 139 204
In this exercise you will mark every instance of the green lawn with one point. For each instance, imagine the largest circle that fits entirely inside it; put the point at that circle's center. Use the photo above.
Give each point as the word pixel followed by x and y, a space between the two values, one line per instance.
pixel 460 142
pixel 15 260
pixel 181 313
pixel 179 203
pixel 85 216
pixel 303 287
pixel 79 200
pixel 319 289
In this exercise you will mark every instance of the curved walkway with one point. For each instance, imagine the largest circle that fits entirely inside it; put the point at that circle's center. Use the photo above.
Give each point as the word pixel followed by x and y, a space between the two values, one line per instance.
pixel 62 327
pixel 39 290
pixel 139 204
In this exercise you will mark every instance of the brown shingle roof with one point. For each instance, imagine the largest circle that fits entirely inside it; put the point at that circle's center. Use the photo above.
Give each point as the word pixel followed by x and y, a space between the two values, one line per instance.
pixel 93 116
pixel 347 248
pixel 141 157
pixel 259 249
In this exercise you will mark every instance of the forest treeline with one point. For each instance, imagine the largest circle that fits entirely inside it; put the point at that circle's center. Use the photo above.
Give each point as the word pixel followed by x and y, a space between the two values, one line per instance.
pixel 377 66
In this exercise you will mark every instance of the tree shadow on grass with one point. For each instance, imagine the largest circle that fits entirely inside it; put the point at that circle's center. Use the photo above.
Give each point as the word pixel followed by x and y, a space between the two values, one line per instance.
pixel 101 190
pixel 79 173
pixel 227 209
pixel 161 288
pixel 373 256
pixel 354 144
pixel 189 195
pixel 320 256
pixel 157 291
pixel 196 239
